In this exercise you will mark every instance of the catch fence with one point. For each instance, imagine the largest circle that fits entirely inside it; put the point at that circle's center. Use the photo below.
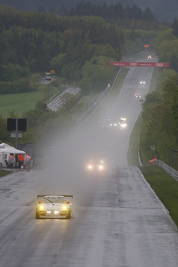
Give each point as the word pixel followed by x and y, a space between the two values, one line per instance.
pixel 171 171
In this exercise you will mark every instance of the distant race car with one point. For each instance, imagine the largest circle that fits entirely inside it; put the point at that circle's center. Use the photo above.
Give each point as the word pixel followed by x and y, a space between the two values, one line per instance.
pixel 53 206
pixel 96 166
pixel 122 122
pixel 113 124
pixel 108 123
pixel 138 96
pixel 149 57
pixel 142 82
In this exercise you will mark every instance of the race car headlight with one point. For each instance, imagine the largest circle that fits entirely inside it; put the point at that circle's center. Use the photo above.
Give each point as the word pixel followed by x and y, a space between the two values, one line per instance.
pixel 48 212
pixel 64 207
pixel 56 212
pixel 90 167
pixel 123 119
pixel 100 167
pixel 41 207
pixel 123 125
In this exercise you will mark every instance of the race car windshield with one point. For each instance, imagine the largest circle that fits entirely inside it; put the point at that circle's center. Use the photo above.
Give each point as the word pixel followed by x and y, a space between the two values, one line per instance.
pixel 54 200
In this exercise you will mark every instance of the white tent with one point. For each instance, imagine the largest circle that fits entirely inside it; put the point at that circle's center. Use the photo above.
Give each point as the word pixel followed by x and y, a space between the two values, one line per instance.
pixel 5 151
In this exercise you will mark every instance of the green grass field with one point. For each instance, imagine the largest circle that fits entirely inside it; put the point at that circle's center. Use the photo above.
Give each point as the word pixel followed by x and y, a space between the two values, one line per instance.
pixel 22 102
pixel 3 173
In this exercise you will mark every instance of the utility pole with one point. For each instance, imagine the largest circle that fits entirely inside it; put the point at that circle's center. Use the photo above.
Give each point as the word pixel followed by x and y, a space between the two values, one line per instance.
pixel 16 127
pixel 16 132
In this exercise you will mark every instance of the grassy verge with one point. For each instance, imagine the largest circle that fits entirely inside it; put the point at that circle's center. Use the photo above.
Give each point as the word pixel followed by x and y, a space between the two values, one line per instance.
pixel 163 184
pixel 154 80
pixel 81 106
pixel 117 85
pixel 165 187
pixel 23 101
pixel 3 173
pixel 132 154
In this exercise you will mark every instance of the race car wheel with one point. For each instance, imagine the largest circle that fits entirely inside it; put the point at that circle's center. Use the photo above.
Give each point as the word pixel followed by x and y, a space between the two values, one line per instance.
pixel 69 215
pixel 37 215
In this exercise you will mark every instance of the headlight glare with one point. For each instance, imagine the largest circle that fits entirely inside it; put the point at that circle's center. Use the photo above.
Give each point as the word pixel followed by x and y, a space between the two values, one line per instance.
pixel 90 167
pixel 56 212
pixel 64 207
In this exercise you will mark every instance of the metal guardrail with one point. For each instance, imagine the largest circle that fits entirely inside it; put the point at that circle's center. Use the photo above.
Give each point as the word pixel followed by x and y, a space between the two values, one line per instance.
pixel 91 108
pixel 171 171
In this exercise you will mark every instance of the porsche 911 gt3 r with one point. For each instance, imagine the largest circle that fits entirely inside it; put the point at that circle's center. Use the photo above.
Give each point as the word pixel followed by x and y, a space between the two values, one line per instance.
pixel 53 206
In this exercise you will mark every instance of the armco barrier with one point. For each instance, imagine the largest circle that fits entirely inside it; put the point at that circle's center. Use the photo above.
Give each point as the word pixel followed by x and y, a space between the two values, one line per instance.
pixel 93 106
pixel 171 171
pixel 98 101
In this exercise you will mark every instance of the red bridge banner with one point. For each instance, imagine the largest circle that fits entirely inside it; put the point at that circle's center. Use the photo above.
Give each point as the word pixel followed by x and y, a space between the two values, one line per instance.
pixel 141 64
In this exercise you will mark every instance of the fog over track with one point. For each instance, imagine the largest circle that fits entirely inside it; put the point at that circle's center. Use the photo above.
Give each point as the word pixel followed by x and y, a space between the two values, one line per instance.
pixel 117 221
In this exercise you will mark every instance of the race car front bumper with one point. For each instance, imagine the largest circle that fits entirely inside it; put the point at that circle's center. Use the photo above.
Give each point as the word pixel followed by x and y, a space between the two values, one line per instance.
pixel 53 214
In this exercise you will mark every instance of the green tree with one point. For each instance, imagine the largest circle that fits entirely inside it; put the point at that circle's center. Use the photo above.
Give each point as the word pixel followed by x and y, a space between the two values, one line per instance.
pixel 174 111
pixel 35 81
pixel 38 115
pixel 151 100
pixel 4 135
pixel 85 85
pixel 58 62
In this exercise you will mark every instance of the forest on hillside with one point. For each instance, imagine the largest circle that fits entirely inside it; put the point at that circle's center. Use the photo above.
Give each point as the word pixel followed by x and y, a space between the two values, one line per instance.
pixel 34 42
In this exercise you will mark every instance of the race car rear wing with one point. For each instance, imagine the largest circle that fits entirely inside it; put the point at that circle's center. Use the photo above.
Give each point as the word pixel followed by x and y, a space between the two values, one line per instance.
pixel 57 195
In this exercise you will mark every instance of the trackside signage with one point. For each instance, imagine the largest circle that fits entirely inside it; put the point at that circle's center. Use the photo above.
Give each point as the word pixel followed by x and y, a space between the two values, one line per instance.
pixel 141 64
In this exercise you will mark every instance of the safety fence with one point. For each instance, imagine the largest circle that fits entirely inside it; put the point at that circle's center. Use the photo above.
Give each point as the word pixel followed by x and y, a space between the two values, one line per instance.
pixel 171 171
